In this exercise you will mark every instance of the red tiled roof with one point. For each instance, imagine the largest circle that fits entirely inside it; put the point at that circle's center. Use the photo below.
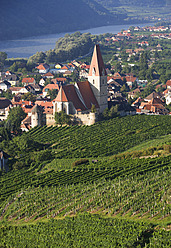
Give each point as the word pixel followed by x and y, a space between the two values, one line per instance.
pixel 65 67
pixel 56 80
pixel 42 67
pixel 28 80
pixel 97 63
pixel 49 74
pixel 67 93
pixel 168 83
pixel 51 86
pixel 16 88
pixel 44 104
pixel 130 79
pixel 87 94
pixel 61 96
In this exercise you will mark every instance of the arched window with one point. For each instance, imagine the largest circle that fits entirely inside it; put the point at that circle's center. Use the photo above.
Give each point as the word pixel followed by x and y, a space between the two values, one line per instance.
pixel 94 71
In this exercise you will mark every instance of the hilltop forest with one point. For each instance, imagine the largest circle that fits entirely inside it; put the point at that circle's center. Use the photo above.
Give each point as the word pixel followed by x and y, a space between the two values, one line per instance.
pixel 34 18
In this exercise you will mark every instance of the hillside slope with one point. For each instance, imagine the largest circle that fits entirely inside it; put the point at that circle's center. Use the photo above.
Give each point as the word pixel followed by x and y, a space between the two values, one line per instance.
pixel 54 198
pixel 29 17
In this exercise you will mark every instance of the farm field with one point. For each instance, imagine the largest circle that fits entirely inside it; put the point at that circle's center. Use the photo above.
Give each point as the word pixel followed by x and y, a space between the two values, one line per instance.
pixel 88 194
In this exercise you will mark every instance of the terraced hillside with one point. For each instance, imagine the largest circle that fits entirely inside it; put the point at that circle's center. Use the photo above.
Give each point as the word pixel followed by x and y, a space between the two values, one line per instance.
pixel 103 138
pixel 87 194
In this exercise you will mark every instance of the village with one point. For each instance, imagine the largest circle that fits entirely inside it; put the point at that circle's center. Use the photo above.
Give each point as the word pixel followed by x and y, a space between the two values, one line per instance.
pixel 65 86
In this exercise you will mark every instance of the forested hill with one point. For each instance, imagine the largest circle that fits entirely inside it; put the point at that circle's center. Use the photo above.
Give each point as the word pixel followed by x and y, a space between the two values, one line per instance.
pixel 27 18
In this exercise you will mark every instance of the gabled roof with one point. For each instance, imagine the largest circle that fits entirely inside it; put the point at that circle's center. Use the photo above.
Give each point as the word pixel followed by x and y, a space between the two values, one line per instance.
pixel 5 82
pixel 43 66
pixel 168 83
pixel 48 74
pixel 59 80
pixel 28 80
pixel 97 64
pixel 68 93
pixel 152 95
pixel 61 96
pixel 4 102
pixel 87 94
pixel 51 86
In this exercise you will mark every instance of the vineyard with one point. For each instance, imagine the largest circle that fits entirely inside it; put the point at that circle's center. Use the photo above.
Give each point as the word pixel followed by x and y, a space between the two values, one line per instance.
pixel 85 231
pixel 82 194
pixel 104 138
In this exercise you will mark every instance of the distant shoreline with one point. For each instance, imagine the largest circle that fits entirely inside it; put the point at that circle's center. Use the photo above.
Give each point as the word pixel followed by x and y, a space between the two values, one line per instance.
pixel 26 47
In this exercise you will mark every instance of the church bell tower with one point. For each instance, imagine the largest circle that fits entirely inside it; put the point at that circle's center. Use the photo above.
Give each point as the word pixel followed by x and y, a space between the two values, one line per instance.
pixel 98 79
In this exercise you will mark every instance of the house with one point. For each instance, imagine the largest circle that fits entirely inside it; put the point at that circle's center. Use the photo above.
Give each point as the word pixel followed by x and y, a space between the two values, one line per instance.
pixel 5 85
pixel 130 80
pixel 48 75
pixel 5 104
pixel 168 98
pixel 168 84
pixel 34 118
pixel 83 74
pixel 30 88
pixel 133 94
pixel 50 87
pixel 20 90
pixel 42 82
pixel 64 69
pixel 60 80
pixel 27 81
pixel 43 68
pixel 67 73
pixel 58 66
pixel 11 78
pixel 154 106
pixel 153 95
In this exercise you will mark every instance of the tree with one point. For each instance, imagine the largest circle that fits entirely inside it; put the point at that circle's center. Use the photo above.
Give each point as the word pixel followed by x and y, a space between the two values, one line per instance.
pixel 29 97
pixel 62 118
pixel 113 111
pixel 16 115
pixel 39 57
pixel 7 94
pixel 118 67
pixel 3 57
pixel 52 93
pixel 93 108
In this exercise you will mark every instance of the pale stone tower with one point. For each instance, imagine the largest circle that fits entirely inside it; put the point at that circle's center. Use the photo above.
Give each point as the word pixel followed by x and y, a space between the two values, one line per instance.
pixel 98 78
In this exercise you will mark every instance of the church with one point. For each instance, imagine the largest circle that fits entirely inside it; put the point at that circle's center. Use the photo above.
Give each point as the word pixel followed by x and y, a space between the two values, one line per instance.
pixel 77 100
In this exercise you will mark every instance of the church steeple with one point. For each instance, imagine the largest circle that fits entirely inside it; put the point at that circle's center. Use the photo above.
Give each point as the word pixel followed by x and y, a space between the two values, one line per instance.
pixel 98 78
pixel 97 66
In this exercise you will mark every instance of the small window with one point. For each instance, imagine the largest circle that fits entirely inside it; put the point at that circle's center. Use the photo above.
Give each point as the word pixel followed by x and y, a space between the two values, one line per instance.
pixel 93 81
pixel 94 71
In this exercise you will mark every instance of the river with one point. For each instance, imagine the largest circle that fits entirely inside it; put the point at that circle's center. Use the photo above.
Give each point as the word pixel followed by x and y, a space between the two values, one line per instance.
pixel 26 47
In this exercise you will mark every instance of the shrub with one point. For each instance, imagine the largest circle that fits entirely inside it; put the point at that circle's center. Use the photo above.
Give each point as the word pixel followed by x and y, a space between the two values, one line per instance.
pixel 80 162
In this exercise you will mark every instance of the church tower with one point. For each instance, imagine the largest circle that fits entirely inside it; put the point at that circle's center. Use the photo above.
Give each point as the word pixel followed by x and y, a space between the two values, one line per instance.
pixel 98 78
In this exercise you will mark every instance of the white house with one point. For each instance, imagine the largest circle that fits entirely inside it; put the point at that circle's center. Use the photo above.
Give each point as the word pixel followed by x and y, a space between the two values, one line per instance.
pixel 43 68
pixel 5 85
pixel 21 90
pixel 4 107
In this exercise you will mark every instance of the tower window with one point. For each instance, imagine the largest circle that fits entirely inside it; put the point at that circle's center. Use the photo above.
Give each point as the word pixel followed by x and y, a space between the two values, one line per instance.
pixel 93 81
pixel 94 71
